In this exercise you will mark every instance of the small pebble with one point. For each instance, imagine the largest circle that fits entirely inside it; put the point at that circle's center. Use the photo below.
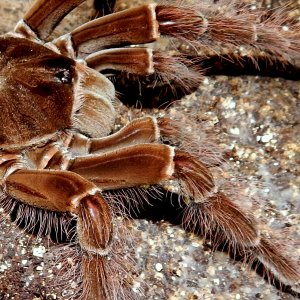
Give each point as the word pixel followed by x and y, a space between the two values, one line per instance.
pixel 235 131
pixel 266 138
pixel 158 267
pixel 38 251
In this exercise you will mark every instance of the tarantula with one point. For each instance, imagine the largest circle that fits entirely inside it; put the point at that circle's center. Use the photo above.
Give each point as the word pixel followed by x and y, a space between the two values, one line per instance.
pixel 57 154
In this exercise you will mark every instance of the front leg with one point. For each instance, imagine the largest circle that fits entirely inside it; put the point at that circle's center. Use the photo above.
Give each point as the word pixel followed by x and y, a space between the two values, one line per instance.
pixel 64 191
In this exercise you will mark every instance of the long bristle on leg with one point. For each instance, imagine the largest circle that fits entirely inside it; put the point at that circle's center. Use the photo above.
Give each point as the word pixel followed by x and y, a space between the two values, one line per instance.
pixel 104 278
pixel 191 136
pixel 278 265
pixel 173 70
pixel 104 7
pixel 219 213
pixel 226 224
pixel 202 25
pixel 211 212
pixel 195 178
pixel 102 274
pixel 33 220
pixel 177 71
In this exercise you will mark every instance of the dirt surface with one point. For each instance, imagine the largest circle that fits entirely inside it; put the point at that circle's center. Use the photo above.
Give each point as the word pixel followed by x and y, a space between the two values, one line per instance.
pixel 257 121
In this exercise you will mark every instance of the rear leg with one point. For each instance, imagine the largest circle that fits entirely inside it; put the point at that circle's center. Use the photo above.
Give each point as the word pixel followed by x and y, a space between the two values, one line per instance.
pixel 223 215
pixel 226 225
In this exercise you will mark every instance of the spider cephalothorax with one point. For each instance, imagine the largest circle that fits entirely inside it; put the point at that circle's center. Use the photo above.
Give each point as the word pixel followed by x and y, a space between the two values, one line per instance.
pixel 58 111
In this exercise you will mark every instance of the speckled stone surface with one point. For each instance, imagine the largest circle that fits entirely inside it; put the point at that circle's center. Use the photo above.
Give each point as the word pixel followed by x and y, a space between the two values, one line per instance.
pixel 257 120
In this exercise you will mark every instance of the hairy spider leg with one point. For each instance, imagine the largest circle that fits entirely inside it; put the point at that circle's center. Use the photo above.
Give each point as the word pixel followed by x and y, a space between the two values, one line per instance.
pixel 199 25
pixel 44 15
pixel 65 191
pixel 220 219
pixel 226 224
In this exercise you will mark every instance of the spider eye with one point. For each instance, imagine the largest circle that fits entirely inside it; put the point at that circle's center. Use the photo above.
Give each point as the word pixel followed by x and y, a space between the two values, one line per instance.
pixel 64 76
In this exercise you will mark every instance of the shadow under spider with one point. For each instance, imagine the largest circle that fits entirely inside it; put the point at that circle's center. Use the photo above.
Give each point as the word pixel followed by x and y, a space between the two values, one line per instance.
pixel 152 93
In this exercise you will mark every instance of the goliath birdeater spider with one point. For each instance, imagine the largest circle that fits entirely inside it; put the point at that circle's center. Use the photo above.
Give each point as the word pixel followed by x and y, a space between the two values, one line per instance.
pixel 58 111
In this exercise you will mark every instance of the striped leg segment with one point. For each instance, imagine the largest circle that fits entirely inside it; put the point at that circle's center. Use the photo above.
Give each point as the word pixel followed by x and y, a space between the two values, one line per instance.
pixel 137 25
pixel 126 167
pixel 145 62
pixel 131 26
pixel 139 131
pixel 197 25
pixel 137 61
pixel 44 15
pixel 53 190
pixel 226 223
pixel 64 191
